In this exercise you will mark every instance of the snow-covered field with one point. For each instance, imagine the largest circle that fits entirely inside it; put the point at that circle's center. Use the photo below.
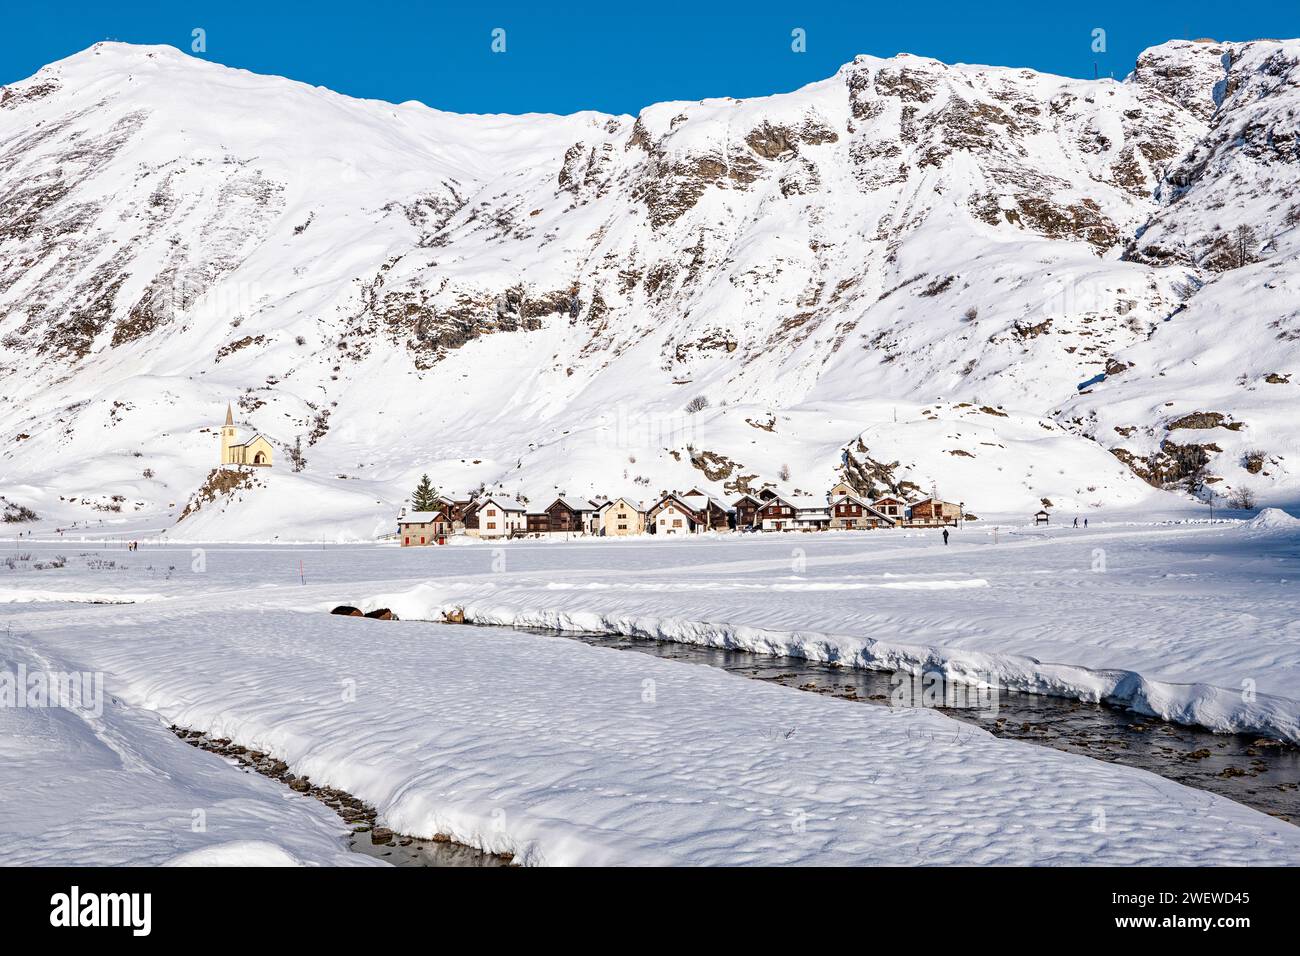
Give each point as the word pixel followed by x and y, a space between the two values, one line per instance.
pixel 563 753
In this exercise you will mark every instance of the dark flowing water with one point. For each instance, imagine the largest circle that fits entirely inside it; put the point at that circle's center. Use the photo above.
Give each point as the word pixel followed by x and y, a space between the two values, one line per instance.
pixel 367 836
pixel 1256 771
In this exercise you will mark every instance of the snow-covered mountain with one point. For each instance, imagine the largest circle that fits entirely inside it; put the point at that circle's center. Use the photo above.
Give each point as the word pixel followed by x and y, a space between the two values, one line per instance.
pixel 1010 285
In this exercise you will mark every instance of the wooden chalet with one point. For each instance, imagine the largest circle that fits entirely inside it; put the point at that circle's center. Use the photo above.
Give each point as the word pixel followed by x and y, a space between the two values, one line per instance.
pixel 891 507
pixel 539 522
pixel 745 509
pixel 469 517
pixel 1042 517
pixel 455 508
pixel 713 514
pixel 570 516
pixel 777 514
pixel 933 512
pixel 848 511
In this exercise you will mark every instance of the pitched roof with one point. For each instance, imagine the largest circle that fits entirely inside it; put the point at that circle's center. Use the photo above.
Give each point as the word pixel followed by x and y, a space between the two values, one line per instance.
pixel 421 517
pixel 230 419
pixel 856 499
pixel 673 499
pixel 505 504
pixel 571 504
pixel 637 506
pixel 862 501
pixel 700 501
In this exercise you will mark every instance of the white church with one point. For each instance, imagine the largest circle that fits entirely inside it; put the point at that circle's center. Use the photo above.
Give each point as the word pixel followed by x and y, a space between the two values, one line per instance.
pixel 256 451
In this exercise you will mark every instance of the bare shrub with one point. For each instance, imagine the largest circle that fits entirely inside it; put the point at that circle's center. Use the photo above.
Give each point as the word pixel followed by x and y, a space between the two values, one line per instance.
pixel 1243 499
pixel 697 404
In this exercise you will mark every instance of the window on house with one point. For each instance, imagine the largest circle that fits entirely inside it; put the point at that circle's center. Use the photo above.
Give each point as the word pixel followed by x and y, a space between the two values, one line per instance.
pixel 622 527
pixel 677 522
pixel 491 525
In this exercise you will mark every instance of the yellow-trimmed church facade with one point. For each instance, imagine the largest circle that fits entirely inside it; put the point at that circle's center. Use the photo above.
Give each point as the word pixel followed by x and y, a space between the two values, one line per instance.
pixel 256 451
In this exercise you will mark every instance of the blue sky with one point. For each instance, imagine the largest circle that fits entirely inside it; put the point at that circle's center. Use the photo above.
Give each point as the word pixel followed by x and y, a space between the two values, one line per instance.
pixel 586 55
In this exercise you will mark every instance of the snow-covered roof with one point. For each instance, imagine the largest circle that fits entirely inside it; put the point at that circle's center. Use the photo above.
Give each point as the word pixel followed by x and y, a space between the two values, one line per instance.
pixel 856 499
pixel 573 504
pixel 505 504
pixel 634 503
pixel 700 501
pixel 420 517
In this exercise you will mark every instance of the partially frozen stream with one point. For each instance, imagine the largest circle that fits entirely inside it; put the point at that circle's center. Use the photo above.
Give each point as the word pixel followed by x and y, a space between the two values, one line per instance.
pixel 1260 773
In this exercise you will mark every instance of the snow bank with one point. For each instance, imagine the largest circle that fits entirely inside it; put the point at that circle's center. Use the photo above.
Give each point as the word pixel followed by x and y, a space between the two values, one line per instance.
pixel 119 789
pixel 1216 708
pixel 567 754
pixel 1272 519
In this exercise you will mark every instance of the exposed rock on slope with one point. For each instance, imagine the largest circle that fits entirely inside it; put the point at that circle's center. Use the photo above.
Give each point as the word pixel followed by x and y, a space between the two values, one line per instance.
pixel 516 301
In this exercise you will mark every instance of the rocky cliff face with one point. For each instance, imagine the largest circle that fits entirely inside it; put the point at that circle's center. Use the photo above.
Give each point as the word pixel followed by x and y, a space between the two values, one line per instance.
pixel 534 300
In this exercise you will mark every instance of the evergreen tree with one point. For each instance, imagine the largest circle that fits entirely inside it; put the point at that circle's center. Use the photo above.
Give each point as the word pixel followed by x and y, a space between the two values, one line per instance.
pixel 424 498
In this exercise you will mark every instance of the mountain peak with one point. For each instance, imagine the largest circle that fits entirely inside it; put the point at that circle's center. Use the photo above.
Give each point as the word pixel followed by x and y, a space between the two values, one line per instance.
pixel 990 278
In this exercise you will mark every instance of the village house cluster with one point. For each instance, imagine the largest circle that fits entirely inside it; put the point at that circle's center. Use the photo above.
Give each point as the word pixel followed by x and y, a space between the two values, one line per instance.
pixel 692 512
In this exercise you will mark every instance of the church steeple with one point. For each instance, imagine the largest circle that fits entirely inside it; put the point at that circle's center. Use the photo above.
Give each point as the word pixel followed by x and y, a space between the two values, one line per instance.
pixel 228 439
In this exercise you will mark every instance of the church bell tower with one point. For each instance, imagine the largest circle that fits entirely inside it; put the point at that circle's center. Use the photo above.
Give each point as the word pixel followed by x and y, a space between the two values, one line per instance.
pixel 227 437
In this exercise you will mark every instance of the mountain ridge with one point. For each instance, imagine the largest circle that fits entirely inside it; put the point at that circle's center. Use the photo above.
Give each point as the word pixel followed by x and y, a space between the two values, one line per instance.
pixel 538 297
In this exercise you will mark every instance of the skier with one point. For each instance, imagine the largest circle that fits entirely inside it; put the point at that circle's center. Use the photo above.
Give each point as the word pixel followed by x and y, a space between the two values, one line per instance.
pixel 945 536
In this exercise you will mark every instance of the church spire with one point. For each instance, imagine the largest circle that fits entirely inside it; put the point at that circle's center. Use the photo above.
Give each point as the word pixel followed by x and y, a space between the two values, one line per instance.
pixel 230 420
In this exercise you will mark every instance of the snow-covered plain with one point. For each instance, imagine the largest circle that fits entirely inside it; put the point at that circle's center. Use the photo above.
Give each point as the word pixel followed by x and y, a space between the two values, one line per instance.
pixel 564 754
pixel 117 788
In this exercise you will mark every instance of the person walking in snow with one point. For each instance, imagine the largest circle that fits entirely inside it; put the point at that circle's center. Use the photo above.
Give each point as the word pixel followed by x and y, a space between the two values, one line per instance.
pixel 945 536
pixel 1076 522
pixel 1085 522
